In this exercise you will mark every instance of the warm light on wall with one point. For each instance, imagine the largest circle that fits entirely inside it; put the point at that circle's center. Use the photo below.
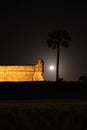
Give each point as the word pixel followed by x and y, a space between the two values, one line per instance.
pixel 22 73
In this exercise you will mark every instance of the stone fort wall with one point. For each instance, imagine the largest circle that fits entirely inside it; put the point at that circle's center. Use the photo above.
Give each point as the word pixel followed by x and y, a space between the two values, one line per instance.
pixel 22 73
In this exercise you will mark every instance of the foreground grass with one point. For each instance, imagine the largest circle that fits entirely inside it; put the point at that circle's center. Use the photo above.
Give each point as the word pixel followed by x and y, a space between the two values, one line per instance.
pixel 42 90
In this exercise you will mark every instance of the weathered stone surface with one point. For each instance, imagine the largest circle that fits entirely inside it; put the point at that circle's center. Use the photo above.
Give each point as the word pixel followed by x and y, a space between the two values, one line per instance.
pixel 22 73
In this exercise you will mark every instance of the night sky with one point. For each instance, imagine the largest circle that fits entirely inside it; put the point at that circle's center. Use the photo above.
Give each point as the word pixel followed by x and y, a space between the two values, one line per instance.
pixel 24 29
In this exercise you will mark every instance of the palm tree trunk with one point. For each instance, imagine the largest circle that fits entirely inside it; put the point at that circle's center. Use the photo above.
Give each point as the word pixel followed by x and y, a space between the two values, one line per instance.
pixel 57 64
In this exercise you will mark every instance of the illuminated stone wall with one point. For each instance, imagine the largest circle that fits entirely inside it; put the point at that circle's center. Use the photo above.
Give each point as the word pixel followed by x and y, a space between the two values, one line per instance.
pixel 22 73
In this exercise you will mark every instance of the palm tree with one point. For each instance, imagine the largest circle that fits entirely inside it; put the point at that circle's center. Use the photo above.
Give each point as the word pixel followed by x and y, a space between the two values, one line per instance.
pixel 55 39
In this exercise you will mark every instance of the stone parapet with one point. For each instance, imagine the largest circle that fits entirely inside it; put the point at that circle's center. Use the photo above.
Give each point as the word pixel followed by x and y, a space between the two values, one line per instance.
pixel 22 73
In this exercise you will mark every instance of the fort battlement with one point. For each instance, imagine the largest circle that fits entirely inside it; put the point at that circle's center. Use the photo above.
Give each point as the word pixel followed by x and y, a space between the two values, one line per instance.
pixel 22 73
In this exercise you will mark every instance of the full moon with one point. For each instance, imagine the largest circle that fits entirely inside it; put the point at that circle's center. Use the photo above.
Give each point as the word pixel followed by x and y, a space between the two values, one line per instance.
pixel 51 67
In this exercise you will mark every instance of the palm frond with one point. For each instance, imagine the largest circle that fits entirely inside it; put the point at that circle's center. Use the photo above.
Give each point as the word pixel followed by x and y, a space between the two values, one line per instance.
pixel 60 35
pixel 54 46
pixel 50 42
pixel 65 44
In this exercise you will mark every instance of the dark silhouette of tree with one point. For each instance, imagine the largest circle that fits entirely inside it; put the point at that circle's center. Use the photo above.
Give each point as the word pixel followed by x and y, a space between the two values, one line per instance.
pixel 83 78
pixel 55 39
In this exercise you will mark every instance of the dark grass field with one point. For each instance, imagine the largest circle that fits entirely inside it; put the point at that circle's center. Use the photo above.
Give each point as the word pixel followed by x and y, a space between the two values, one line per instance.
pixel 43 105
pixel 42 90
